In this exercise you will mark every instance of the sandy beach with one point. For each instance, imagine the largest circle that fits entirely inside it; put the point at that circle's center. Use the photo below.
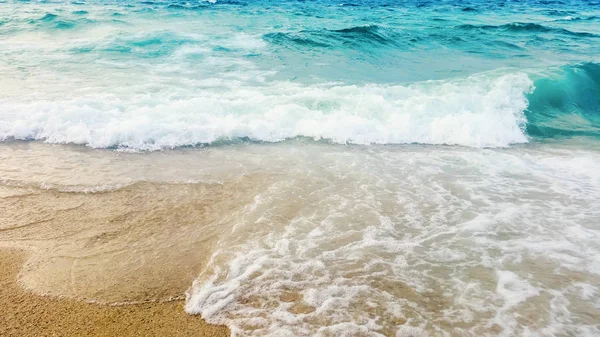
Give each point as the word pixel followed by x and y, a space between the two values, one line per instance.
pixel 69 260
pixel 26 314
pixel 284 240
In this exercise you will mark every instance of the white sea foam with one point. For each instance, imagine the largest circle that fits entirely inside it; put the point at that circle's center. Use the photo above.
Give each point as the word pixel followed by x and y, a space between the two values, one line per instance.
pixel 419 242
pixel 479 111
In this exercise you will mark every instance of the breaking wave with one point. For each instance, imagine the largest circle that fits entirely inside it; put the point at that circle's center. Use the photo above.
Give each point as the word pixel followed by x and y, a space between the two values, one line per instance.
pixel 483 110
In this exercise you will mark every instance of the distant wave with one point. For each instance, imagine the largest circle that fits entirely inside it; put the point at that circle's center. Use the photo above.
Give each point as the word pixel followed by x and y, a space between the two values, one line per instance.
pixel 186 7
pixel 48 17
pixel 362 30
pixel 521 27
pixel 372 35
pixel 365 38
pixel 54 21
pixel 578 18
pixel 292 40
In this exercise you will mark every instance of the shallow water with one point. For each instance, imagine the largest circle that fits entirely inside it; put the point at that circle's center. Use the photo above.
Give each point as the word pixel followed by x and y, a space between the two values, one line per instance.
pixel 304 238
pixel 310 168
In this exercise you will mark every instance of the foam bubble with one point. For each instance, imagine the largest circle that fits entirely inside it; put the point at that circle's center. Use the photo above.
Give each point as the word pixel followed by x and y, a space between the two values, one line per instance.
pixel 512 289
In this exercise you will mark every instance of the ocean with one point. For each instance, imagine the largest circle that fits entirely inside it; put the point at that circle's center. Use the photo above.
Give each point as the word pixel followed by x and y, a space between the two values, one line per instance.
pixel 335 168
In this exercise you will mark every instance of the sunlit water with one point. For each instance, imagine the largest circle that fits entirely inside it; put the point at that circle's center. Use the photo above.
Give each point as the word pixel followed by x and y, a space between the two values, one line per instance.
pixel 319 168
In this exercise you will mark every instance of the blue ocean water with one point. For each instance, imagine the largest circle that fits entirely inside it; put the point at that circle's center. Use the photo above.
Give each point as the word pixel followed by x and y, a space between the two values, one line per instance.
pixel 473 73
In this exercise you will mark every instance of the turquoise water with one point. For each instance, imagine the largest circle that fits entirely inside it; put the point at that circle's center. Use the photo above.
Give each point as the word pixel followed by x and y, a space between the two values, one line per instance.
pixel 473 73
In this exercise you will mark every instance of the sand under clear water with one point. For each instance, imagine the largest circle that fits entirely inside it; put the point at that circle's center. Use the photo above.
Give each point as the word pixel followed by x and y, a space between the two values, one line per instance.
pixel 28 314
pixel 316 238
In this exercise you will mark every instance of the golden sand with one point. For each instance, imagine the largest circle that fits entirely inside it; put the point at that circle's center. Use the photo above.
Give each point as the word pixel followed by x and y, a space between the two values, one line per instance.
pixel 26 314
pixel 143 243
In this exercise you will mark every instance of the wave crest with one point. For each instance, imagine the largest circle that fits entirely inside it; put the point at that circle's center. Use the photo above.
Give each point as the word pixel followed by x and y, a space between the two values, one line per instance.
pixel 480 111
pixel 566 103
pixel 352 37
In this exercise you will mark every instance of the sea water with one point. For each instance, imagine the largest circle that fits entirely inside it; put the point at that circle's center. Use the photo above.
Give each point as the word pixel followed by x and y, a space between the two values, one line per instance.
pixel 425 167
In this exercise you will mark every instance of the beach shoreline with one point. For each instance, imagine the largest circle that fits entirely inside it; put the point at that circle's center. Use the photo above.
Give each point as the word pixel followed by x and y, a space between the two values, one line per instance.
pixel 27 314
pixel 378 241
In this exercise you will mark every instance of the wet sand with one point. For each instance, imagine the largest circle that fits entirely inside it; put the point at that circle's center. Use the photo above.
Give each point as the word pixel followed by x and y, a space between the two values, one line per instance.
pixel 114 262
pixel 143 242
pixel 334 240
pixel 26 314
pixel 87 251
